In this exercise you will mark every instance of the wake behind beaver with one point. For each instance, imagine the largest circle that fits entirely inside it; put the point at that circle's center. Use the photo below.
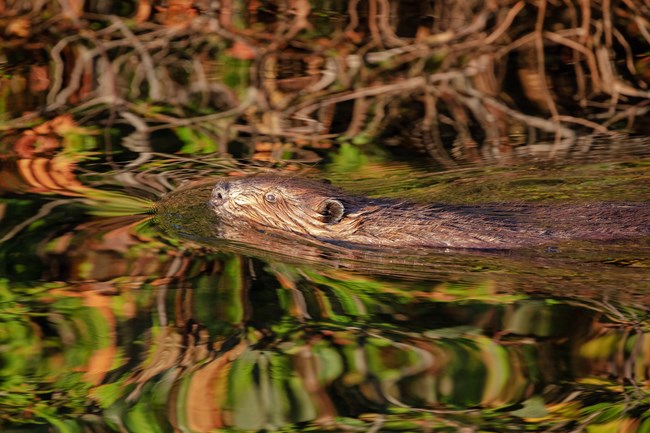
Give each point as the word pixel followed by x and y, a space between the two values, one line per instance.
pixel 320 211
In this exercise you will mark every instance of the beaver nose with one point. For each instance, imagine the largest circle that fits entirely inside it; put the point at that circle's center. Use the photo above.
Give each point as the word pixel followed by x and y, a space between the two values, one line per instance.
pixel 220 193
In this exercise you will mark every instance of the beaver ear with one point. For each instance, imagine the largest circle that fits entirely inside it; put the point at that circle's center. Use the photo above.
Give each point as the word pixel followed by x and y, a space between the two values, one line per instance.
pixel 332 211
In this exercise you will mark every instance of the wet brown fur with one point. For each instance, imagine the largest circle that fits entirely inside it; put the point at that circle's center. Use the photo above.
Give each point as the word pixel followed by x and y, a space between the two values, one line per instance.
pixel 318 210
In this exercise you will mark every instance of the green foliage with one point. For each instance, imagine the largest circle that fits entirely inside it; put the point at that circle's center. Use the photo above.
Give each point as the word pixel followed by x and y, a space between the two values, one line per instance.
pixel 195 141
pixel 26 372
pixel 236 73
pixel 349 158
pixel 533 408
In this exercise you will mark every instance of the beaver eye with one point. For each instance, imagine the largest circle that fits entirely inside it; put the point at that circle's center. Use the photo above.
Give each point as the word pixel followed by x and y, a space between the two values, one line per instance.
pixel 270 197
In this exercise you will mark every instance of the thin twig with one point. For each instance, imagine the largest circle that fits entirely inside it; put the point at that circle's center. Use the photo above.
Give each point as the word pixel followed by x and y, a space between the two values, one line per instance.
pixel 42 212
pixel 155 89
pixel 505 25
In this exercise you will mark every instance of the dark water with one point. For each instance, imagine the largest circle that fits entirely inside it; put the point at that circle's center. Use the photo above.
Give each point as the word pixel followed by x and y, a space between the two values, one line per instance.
pixel 121 311
pixel 116 319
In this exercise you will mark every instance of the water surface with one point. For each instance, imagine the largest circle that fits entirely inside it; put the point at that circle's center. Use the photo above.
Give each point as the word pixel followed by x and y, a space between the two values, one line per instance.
pixel 117 318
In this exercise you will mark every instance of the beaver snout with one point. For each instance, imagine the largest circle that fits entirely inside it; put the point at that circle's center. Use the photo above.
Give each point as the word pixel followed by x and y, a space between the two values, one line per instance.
pixel 220 194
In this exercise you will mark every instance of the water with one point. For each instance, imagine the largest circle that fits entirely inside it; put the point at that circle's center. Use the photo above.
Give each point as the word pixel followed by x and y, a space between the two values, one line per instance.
pixel 123 310
pixel 117 319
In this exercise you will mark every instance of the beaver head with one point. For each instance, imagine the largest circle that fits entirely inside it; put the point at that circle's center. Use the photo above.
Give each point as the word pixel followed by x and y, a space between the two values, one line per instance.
pixel 285 204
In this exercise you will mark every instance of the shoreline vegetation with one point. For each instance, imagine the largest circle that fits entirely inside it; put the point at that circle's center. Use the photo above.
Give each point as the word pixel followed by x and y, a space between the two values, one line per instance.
pixel 458 81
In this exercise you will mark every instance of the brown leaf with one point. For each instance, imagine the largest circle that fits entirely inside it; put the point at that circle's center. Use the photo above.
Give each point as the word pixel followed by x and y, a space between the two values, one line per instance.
pixel 18 27
pixel 73 8
pixel 59 125
pixel 62 172
pixel 240 50
pixel 265 146
pixel 39 79
pixel 63 124
pixel 263 157
pixel 24 146
pixel 353 36
pixel 144 11
pixel 179 13
pixel 45 144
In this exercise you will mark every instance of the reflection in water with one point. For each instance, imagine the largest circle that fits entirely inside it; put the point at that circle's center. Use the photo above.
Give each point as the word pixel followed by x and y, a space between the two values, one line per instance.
pixel 121 311
pixel 116 318
pixel 223 341
pixel 141 322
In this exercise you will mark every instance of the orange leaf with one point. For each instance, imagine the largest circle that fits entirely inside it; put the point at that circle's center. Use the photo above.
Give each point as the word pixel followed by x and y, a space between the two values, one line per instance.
pixel 179 14
pixel 240 50
pixel 59 125
pixel 144 11
pixel 18 27
pixel 24 146
pixel 39 81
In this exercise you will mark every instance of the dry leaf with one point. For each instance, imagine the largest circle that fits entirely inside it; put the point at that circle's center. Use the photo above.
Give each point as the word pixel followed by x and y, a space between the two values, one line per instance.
pixel 265 146
pixel 144 11
pixel 39 80
pixel 240 50
pixel 60 125
pixel 18 27
pixel 179 13
pixel 24 146
pixel 73 8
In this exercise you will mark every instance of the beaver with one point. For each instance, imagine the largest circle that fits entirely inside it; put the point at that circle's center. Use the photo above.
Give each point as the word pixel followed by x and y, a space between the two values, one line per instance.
pixel 320 211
